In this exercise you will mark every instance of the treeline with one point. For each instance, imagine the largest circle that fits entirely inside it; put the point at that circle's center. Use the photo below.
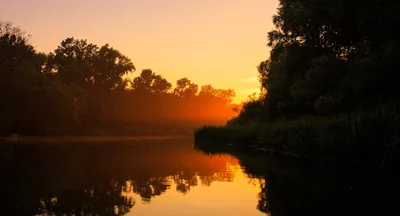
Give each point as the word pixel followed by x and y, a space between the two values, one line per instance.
pixel 330 57
pixel 330 86
pixel 82 87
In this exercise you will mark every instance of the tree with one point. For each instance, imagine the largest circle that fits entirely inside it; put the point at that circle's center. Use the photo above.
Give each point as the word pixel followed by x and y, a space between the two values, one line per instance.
pixel 330 53
pixel 84 64
pixel 185 88
pixel 160 85
pixel 225 94
pixel 148 81
pixel 21 81
pixel 74 61
pixel 109 67
pixel 14 52
pixel 207 90
pixel 81 87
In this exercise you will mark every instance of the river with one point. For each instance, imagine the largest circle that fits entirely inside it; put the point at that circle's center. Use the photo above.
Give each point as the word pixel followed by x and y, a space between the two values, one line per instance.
pixel 167 176
pixel 129 177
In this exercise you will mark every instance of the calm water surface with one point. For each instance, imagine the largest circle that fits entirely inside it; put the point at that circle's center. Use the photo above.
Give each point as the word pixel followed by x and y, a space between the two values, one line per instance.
pixel 148 177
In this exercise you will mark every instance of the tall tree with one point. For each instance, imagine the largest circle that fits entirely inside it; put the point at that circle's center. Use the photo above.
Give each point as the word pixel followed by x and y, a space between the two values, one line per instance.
pixel 185 88
pixel 110 66
pixel 150 82
pixel 330 55
pixel 74 61
pixel 86 65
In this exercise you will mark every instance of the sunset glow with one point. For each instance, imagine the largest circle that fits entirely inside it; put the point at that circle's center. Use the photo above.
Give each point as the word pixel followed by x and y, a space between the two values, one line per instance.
pixel 217 200
pixel 217 42
pixel 199 107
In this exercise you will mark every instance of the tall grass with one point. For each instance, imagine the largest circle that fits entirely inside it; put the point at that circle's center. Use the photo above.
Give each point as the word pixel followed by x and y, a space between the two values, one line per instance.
pixel 358 136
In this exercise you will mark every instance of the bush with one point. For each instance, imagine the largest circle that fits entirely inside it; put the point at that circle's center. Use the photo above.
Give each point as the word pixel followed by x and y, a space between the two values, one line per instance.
pixel 346 136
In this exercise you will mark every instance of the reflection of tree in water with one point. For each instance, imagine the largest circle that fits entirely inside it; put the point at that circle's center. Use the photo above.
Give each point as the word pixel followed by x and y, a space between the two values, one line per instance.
pixel 69 180
pixel 263 202
pixel 184 183
pixel 155 186
pixel 104 199
pixel 225 176
pixel 284 194
pixel 116 197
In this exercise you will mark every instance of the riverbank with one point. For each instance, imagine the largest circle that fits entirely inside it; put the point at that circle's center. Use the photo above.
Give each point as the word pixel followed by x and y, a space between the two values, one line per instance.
pixel 294 179
pixel 144 128
pixel 359 142
pixel 295 184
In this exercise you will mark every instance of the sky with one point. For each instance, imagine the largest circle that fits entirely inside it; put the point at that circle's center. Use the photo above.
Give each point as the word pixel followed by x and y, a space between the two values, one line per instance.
pixel 217 42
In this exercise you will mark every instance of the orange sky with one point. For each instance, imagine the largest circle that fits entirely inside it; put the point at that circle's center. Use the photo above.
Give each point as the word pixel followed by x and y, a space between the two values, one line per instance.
pixel 217 42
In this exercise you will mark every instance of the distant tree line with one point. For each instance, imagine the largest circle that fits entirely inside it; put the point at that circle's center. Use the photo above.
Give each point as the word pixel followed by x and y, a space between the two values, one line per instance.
pixel 81 85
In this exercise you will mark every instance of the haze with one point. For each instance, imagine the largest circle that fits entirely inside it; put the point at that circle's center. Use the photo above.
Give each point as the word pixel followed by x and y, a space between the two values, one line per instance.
pixel 217 42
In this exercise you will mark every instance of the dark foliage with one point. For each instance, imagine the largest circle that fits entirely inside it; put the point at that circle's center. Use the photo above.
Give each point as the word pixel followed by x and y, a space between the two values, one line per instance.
pixel 82 88
pixel 330 86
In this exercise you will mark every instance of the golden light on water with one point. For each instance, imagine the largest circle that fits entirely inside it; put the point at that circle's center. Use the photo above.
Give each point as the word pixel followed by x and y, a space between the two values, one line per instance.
pixel 219 197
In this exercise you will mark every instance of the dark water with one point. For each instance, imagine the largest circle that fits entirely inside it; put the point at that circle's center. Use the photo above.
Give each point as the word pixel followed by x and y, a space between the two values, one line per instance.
pixel 169 177
pixel 141 177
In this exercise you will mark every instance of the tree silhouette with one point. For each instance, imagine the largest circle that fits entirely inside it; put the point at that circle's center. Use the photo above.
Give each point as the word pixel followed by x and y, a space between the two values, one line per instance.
pixel 110 65
pixel 86 65
pixel 185 88
pixel 150 82
pixel 82 88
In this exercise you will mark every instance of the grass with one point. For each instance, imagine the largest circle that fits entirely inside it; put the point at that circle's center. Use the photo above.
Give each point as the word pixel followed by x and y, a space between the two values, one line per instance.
pixel 360 137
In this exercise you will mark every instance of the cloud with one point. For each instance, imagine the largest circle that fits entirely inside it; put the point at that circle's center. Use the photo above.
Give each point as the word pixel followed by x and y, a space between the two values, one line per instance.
pixel 250 79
